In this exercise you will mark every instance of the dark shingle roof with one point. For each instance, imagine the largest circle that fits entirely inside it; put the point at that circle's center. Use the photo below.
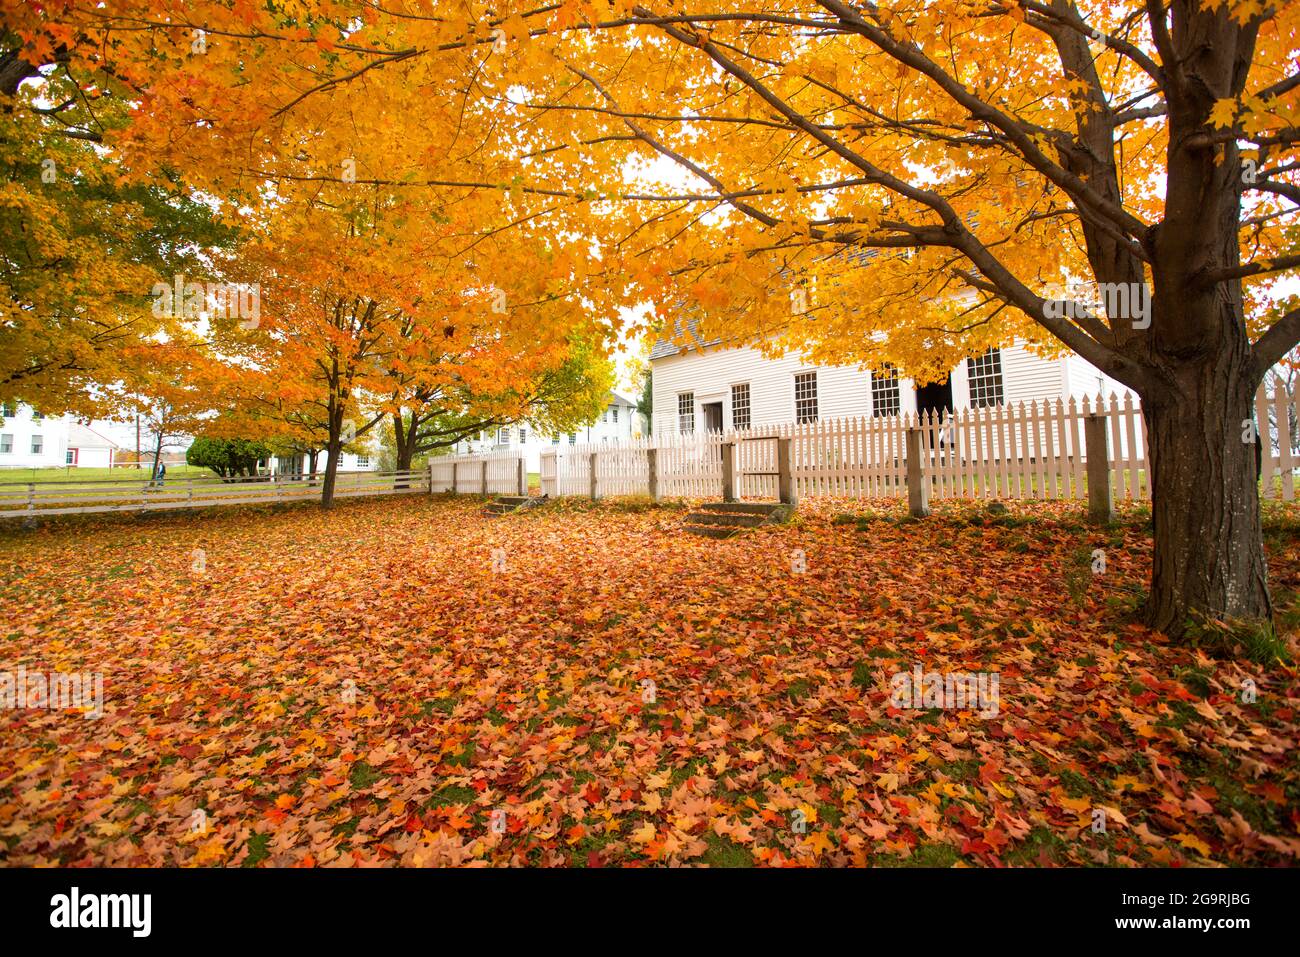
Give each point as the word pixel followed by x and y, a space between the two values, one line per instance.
pixel 684 328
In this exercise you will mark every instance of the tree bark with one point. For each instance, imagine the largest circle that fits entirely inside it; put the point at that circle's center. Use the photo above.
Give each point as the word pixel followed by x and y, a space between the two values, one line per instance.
pixel 1208 554
pixel 404 443
pixel 157 455
pixel 332 452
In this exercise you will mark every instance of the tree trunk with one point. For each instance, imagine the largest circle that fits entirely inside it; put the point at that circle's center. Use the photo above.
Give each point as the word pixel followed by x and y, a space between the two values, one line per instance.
pixel 403 445
pixel 157 454
pixel 1208 549
pixel 332 453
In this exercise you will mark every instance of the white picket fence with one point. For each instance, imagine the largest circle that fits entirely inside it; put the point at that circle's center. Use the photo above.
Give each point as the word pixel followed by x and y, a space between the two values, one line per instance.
pixel 1020 451
pixel 489 473
pixel 1278 421
pixel 1025 450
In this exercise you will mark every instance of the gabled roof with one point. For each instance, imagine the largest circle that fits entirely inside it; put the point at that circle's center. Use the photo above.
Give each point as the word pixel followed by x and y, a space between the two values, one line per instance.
pixel 684 327
pixel 84 437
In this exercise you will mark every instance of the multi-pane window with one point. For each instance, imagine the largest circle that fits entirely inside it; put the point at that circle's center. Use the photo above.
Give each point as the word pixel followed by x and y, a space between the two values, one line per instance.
pixel 6 443
pixel 71 457
pixel 503 436
pixel 885 398
pixel 613 409
pixel 363 461
pixel 555 440
pixel 523 435
pixel 985 376
pixel 805 397
pixel 38 445
pixel 37 416
pixel 740 406
pixel 685 412
pixel 10 410
pixel 573 438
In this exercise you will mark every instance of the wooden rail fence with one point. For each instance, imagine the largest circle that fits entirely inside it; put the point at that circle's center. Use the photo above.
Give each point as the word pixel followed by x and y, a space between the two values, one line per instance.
pixel 39 499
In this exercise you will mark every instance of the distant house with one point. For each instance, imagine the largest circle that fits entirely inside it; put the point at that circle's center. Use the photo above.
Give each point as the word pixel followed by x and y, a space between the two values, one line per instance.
pixel 618 422
pixel 712 386
pixel 30 440
pixel 301 464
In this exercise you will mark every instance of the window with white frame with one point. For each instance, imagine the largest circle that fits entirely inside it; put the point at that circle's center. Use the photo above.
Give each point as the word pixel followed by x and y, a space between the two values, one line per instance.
pixel 805 397
pixel 573 438
pixel 740 406
pixel 503 436
pixel 984 374
pixel 9 410
pixel 685 412
pixel 38 445
pixel 70 458
pixel 523 435
pixel 556 439
pixel 885 399
pixel 613 410
pixel 363 461
pixel 6 443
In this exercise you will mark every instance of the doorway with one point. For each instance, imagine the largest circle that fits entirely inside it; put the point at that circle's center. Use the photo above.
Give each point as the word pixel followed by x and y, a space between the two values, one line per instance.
pixel 935 397
pixel 712 416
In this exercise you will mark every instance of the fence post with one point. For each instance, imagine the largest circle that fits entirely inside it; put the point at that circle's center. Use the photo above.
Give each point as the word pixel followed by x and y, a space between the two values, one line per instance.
pixel 523 478
pixel 430 478
pixel 593 475
pixel 728 471
pixel 652 459
pixel 485 468
pixel 918 488
pixel 1101 510
pixel 785 473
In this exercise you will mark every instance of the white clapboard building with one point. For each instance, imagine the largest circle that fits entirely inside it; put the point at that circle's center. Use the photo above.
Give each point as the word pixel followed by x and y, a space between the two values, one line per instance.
pixel 618 422
pixel 30 440
pixel 716 386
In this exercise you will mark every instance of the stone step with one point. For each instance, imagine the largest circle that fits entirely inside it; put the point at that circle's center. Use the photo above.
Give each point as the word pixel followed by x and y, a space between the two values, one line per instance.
pixel 724 519
pixel 505 504
pixel 712 531
pixel 735 519
pixel 747 508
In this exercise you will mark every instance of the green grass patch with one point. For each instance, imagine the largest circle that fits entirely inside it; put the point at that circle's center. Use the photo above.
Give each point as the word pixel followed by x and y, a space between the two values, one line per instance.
pixel 725 853
pixel 363 775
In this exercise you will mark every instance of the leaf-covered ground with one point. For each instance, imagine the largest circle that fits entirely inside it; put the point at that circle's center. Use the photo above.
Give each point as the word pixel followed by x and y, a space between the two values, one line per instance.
pixel 524 692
